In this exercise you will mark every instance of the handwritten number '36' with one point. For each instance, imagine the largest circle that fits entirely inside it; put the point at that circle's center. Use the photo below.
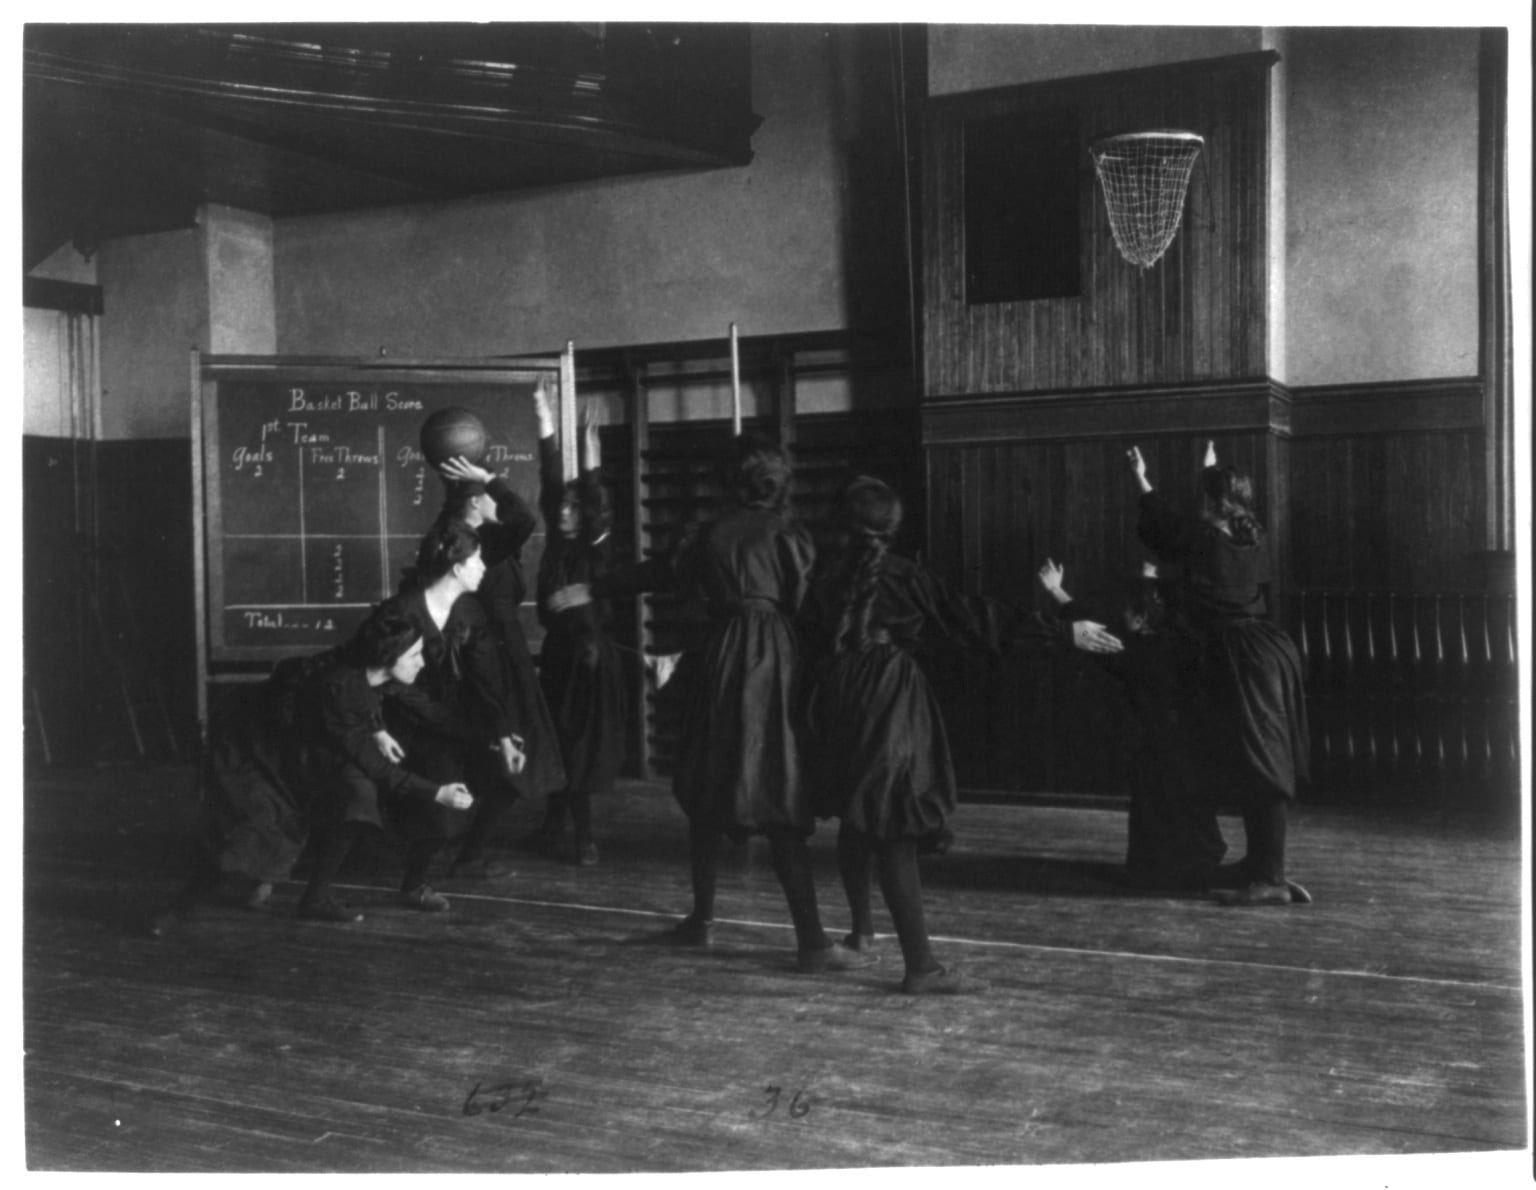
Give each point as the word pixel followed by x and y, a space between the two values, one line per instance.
pixel 497 1097
pixel 799 1106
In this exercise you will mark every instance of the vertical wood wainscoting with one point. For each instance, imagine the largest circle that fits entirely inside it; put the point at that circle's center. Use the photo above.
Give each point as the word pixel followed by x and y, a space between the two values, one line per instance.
pixel 1373 496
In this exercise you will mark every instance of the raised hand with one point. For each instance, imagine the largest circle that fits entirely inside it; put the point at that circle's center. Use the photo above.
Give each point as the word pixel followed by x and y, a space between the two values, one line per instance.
pixel 462 470
pixel 545 413
pixel 455 796
pixel 1095 638
pixel 1210 453
pixel 1138 468
pixel 1051 576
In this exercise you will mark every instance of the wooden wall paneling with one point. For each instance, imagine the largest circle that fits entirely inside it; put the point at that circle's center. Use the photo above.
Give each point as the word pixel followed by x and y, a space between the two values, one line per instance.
pixel 1199 313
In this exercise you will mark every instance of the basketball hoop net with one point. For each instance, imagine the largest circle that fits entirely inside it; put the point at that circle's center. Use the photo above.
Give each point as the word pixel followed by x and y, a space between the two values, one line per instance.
pixel 1145 176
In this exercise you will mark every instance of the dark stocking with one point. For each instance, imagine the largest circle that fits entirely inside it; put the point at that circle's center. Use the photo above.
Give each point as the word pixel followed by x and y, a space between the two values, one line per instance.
pixel 853 859
pixel 703 860
pixel 338 845
pixel 580 803
pixel 792 865
pixel 488 812
pixel 554 814
pixel 903 893
pixel 1265 824
pixel 418 856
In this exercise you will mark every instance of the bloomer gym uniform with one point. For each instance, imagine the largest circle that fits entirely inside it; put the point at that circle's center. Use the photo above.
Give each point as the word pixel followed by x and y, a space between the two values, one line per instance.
pixel 502 592
pixel 355 787
pixel 450 720
pixel 580 667
pixel 1247 677
pixel 877 752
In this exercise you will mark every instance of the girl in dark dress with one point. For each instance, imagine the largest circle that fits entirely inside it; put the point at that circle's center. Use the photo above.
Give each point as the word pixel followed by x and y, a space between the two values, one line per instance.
pixel 1174 841
pixel 504 523
pixel 879 756
pixel 309 742
pixel 358 787
pixel 457 723
pixel 1246 671
pixel 738 769
pixel 580 666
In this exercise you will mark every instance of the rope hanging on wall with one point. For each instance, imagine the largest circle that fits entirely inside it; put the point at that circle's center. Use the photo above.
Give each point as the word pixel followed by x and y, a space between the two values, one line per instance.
pixel 1145 176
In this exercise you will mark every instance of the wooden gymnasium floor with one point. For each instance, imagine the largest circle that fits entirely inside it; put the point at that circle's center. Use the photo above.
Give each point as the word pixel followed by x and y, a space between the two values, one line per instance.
pixel 538 1028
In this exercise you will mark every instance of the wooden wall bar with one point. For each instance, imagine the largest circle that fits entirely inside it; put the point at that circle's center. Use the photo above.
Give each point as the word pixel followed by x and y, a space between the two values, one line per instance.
pixel 1199 314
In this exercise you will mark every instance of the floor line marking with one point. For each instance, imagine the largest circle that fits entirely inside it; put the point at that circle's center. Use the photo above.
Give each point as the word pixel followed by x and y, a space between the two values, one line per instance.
pixel 986 942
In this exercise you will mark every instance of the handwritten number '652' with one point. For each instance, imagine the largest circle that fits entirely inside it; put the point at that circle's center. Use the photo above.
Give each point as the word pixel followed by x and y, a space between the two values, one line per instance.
pixel 497 1097
pixel 799 1106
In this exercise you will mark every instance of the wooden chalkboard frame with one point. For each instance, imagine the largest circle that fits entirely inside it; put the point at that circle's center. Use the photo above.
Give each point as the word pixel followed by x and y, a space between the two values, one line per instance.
pixel 219 657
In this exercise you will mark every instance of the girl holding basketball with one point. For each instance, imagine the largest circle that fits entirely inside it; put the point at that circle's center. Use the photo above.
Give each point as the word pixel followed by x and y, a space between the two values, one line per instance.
pixel 503 522
pixel 879 755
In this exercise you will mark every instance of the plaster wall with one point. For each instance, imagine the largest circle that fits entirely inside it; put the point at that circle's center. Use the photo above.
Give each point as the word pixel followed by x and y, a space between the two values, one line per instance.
pixel 975 57
pixel 646 259
pixel 1381 227
pixel 155 303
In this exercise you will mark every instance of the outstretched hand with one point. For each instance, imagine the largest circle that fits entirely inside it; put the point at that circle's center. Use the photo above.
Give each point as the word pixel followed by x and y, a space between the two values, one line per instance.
pixel 1051 576
pixel 565 598
pixel 1095 638
pixel 462 470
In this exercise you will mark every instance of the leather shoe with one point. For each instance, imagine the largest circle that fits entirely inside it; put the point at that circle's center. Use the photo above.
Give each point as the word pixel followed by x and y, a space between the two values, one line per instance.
pixel 329 909
pixel 422 897
pixel 691 931
pixel 837 957
pixel 946 981
pixel 1256 893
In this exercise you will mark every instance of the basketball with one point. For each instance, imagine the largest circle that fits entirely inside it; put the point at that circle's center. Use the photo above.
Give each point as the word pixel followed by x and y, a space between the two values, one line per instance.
pixel 452 433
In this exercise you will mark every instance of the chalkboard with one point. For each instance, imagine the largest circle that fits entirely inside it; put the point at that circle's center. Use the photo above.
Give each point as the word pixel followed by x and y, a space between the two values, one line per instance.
pixel 315 493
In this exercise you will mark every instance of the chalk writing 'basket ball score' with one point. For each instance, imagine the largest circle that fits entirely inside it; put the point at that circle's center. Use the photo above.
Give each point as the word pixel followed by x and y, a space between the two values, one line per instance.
pixel 453 433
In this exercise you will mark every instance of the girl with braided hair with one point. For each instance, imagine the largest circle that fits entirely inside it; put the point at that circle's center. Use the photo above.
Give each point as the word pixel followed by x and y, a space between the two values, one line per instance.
pixel 879 755
pixel 1245 688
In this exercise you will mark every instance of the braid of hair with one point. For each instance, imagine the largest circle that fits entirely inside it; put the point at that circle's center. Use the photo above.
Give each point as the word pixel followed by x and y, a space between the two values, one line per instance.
pixel 862 567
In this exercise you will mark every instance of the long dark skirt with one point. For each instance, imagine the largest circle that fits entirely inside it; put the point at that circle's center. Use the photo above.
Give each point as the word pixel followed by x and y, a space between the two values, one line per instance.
pixel 879 755
pixel 583 681
pixel 255 809
pixel 545 771
pixel 738 765
pixel 1257 706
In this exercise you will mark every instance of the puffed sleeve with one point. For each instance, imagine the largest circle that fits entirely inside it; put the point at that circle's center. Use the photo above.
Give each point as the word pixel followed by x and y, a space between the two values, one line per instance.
pixel 979 622
pixel 482 667
pixel 551 482
pixel 797 558
pixel 517 520
pixel 349 717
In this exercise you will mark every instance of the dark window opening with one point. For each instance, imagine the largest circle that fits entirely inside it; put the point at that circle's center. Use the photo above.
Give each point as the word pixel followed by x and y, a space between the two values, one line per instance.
pixel 1022 233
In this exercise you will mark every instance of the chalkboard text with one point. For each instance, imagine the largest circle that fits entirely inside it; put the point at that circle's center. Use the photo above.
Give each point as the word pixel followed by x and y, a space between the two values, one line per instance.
pixel 351 401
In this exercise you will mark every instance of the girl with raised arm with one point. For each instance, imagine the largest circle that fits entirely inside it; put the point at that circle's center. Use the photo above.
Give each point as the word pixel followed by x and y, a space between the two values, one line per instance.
pixel 879 755
pixel 503 522
pixel 1246 672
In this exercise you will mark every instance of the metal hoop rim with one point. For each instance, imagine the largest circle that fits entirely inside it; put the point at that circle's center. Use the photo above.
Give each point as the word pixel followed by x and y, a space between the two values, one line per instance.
pixel 1181 135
